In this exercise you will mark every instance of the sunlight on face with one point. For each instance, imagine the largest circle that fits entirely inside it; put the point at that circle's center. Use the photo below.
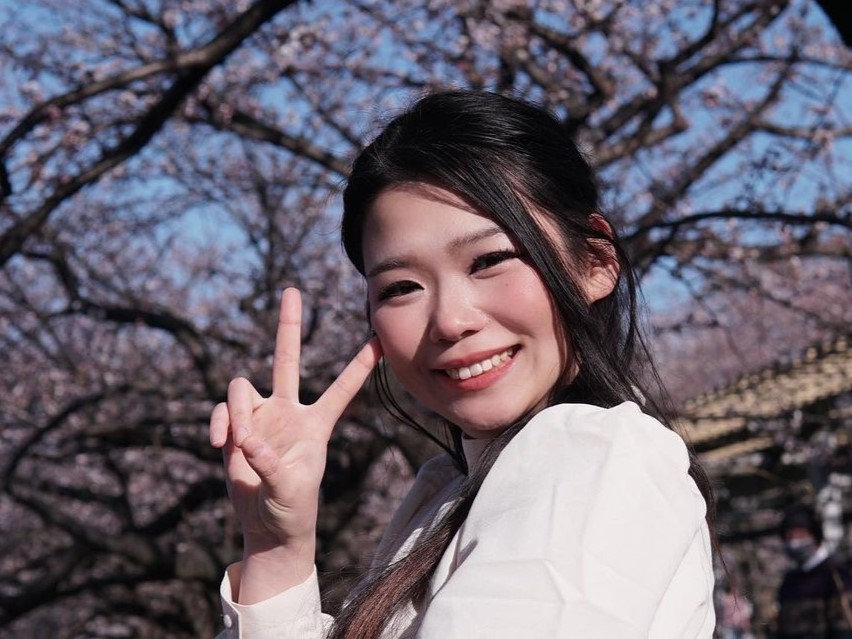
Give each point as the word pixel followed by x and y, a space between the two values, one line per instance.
pixel 465 323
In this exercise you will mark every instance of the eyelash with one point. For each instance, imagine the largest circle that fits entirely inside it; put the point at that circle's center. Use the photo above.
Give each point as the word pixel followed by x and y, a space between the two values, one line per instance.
pixel 396 289
pixel 480 263
pixel 492 259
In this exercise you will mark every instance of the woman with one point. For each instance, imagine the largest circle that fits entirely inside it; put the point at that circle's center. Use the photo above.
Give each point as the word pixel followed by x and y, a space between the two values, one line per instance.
pixel 500 299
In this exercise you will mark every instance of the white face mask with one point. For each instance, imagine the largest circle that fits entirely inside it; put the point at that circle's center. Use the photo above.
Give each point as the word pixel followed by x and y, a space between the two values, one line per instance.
pixel 800 550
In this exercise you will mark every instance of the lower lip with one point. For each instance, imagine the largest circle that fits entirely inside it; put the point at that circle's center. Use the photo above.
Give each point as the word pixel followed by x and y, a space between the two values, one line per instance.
pixel 480 381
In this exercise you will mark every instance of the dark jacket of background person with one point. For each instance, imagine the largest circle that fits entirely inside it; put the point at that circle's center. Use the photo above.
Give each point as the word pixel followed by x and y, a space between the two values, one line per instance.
pixel 815 598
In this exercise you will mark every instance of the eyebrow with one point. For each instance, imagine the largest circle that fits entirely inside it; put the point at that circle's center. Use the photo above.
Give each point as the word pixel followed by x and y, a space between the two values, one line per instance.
pixel 454 245
pixel 472 238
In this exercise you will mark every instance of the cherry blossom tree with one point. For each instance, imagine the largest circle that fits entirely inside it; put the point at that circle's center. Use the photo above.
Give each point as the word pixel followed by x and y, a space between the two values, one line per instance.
pixel 168 166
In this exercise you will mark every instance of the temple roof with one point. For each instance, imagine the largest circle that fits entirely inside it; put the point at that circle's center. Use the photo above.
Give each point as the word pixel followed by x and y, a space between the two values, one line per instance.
pixel 717 422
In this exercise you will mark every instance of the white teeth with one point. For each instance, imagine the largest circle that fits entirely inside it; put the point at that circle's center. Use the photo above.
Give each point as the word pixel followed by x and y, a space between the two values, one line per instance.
pixel 474 370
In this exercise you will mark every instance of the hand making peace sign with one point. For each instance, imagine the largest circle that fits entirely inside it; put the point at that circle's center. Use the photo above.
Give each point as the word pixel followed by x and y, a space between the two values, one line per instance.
pixel 275 447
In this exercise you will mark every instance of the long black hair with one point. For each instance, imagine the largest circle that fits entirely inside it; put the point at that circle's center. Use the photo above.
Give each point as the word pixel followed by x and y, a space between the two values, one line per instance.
pixel 516 163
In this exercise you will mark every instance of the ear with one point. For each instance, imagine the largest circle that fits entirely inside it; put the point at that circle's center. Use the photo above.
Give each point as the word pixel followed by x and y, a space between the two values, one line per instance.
pixel 602 269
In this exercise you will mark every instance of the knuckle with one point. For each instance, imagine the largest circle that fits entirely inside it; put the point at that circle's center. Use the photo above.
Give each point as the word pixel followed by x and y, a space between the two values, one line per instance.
pixel 344 386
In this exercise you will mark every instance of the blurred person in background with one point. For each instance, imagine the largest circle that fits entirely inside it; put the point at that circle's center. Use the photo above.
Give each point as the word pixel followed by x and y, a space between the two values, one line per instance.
pixel 815 598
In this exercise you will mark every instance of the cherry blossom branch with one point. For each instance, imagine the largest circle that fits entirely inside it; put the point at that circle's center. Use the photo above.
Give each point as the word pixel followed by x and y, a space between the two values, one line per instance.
pixel 195 66
pixel 249 127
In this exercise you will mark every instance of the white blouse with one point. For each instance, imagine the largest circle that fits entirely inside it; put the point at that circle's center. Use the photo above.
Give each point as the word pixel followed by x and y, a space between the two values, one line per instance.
pixel 588 526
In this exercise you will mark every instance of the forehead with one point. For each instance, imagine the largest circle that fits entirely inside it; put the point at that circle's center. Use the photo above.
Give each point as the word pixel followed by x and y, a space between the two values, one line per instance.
pixel 413 198
pixel 413 217
pixel 797 532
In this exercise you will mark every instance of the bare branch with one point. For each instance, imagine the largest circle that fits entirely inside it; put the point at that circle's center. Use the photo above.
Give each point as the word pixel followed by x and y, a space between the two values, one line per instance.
pixel 251 128
pixel 197 64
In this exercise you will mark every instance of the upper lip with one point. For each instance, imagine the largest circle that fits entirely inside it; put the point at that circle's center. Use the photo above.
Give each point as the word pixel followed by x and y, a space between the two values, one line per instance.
pixel 471 358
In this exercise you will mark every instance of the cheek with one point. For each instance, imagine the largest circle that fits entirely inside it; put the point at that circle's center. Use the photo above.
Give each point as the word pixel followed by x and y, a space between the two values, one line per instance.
pixel 527 302
pixel 530 312
pixel 399 339
pixel 399 334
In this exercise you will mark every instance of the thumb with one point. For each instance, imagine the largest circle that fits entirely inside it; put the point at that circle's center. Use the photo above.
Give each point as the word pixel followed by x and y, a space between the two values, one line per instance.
pixel 261 457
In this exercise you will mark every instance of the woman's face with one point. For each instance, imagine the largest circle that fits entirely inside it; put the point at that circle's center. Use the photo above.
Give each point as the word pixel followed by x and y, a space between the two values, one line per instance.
pixel 465 324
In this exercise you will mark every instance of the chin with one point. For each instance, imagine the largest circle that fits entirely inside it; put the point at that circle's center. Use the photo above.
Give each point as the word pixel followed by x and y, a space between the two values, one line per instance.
pixel 489 420
pixel 478 428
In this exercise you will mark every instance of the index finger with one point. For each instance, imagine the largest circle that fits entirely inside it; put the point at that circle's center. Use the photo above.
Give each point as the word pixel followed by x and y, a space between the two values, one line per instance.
pixel 288 345
pixel 343 390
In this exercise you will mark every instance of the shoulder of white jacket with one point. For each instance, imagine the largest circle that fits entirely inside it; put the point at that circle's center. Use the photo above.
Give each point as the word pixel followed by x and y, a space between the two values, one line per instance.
pixel 624 421
pixel 568 432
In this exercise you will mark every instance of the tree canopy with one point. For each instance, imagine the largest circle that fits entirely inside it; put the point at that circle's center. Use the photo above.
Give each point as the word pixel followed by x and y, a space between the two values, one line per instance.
pixel 167 166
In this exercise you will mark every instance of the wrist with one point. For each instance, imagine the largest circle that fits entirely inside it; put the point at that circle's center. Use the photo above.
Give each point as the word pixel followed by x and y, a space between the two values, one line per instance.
pixel 269 544
pixel 269 569
pixel 273 549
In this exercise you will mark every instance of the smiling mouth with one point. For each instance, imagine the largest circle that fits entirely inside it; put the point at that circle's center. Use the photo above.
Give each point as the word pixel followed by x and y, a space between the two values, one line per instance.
pixel 477 369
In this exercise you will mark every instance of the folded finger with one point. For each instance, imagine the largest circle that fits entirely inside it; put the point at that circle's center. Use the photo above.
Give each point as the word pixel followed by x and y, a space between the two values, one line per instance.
pixel 242 400
pixel 220 421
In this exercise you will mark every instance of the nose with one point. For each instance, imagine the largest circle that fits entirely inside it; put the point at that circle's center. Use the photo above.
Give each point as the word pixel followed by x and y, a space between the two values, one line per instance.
pixel 454 315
